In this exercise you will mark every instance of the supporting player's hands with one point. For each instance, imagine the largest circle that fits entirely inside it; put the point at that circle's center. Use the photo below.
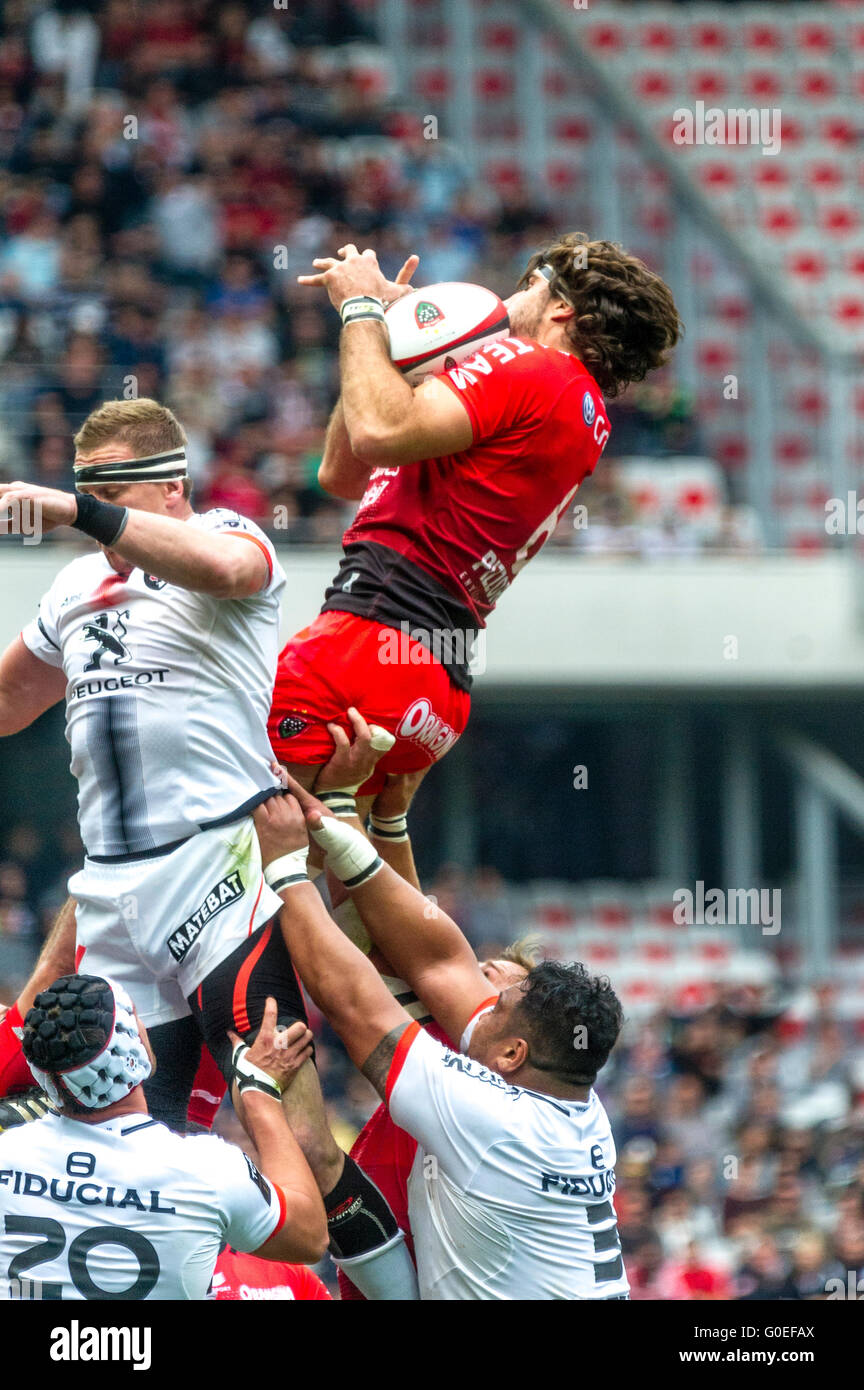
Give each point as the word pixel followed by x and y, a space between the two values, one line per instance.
pixel 280 825
pixel 44 507
pixel 313 810
pixel 278 1051
pixel 354 759
pixel 351 272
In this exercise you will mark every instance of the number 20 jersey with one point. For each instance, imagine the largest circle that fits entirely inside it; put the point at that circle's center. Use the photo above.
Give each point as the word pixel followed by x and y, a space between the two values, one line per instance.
pixel 123 1209
pixel 167 697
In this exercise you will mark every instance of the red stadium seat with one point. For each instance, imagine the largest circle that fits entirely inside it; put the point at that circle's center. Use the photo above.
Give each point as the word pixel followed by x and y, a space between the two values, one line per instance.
pixel 563 175
pixel 710 38
pixel 708 84
pixel 771 174
pixel 794 129
pixel 432 82
pixel 503 173
pixel 762 84
pixel 717 177
pixel 764 37
pixel 815 38
pixel 577 128
pixel 847 314
pixel 817 85
pixel 780 220
pixel 499 38
pixel 790 450
pixel 494 84
pixel 732 450
pixel 853 263
pixel 556 82
pixel 838 219
pixel 808 402
pixel 838 128
pixel 658 37
pixel 653 84
pixel 605 38
pixel 825 174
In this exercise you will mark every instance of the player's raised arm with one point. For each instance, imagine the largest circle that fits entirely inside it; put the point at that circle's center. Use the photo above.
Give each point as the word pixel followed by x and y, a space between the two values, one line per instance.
pixel 341 472
pixel 161 545
pixel 387 422
pixel 28 686
pixel 424 946
pixel 342 982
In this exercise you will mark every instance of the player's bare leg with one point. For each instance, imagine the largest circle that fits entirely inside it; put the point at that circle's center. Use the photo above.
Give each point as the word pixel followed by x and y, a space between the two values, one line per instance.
pixel 56 958
pixel 303 1104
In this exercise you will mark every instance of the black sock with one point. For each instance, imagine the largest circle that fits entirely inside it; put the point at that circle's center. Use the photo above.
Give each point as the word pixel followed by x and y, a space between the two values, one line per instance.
pixel 358 1217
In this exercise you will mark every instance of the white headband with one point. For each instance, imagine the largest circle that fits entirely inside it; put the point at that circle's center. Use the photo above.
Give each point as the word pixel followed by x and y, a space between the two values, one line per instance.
pixel 155 468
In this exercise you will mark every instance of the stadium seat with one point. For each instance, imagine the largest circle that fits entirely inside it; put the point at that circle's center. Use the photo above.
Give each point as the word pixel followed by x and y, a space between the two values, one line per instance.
pixel 606 38
pixel 763 37
pixel 761 84
pixel 711 37
pixel 816 84
pixel 816 38
pixel 653 84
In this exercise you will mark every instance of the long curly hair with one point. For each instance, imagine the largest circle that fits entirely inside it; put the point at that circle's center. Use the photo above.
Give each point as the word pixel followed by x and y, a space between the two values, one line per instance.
pixel 626 322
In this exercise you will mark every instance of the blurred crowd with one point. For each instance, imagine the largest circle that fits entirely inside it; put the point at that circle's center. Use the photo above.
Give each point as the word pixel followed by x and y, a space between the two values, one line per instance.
pixel 166 171
pixel 740 1128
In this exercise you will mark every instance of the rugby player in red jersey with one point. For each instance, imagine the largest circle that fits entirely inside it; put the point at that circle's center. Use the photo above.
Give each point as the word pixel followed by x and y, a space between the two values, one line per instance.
pixel 240 1277
pixel 460 481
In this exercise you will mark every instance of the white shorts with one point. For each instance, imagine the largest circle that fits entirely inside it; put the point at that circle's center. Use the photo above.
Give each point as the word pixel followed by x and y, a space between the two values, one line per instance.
pixel 160 926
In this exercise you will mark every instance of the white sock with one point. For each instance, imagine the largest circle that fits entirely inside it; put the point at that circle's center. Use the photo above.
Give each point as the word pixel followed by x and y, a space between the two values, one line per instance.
pixel 386 1273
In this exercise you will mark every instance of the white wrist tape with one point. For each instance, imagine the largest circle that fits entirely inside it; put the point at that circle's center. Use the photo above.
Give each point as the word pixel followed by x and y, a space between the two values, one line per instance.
pixel 391 828
pixel 362 306
pixel 290 869
pixel 251 1078
pixel 349 854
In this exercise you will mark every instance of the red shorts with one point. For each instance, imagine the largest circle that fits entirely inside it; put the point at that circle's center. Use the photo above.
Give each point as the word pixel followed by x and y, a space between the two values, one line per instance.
pixel 393 681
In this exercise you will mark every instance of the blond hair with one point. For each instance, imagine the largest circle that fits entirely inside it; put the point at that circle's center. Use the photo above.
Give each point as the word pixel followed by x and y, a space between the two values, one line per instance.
pixel 524 952
pixel 145 425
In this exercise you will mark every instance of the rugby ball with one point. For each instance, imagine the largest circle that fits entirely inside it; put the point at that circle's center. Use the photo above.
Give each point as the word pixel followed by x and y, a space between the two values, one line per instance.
pixel 434 329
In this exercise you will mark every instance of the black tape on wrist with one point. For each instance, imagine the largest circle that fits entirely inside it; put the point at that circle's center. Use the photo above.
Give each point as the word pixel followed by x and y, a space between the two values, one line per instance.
pixel 101 520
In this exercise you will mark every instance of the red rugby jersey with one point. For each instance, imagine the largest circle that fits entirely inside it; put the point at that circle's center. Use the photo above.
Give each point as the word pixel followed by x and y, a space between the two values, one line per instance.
pixel 473 519
pixel 241 1276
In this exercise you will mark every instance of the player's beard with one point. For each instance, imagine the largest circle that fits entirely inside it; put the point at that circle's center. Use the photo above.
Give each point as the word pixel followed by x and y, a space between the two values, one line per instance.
pixel 525 319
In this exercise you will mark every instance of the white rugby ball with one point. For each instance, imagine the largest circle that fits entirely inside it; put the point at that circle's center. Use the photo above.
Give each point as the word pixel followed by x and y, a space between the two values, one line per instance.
pixel 434 329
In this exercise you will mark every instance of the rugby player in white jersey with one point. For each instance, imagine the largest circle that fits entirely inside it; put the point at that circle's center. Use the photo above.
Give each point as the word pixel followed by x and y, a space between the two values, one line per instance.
pixel 100 1201
pixel 510 1191
pixel 164 643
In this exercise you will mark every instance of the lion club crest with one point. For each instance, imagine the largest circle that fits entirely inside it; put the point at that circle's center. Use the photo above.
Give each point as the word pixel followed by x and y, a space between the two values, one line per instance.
pixel 427 313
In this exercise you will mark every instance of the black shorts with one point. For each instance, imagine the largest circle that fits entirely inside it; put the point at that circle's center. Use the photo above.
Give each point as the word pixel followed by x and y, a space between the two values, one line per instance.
pixel 235 993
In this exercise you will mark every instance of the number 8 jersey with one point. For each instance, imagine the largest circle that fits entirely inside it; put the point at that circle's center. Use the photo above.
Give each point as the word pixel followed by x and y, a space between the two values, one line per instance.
pixel 123 1209
pixel 167 697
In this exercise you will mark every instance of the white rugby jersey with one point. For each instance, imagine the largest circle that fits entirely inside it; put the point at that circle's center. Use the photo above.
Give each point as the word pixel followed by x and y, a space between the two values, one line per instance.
pixel 510 1192
pixel 123 1209
pixel 167 698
